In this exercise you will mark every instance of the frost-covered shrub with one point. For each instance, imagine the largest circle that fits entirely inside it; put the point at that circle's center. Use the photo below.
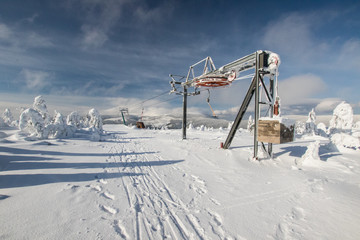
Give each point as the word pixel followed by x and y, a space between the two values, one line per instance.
pixel 345 140
pixel 95 125
pixel 201 128
pixel 40 106
pixel 251 123
pixel 8 117
pixel 311 156
pixel 299 128
pixel 32 122
pixel 321 129
pixel 95 120
pixel 310 127
pixel 356 126
pixel 74 119
pixel 59 129
pixel 342 118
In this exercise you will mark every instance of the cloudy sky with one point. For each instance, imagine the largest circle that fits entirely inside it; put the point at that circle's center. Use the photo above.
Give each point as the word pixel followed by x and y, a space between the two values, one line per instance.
pixel 106 53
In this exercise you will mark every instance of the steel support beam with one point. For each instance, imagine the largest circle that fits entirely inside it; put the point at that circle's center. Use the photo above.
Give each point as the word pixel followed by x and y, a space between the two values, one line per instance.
pixel 257 113
pixel 240 114
pixel 184 112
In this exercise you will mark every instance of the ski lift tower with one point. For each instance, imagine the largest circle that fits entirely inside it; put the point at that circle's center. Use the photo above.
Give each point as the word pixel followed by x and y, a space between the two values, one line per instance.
pixel 123 111
pixel 265 64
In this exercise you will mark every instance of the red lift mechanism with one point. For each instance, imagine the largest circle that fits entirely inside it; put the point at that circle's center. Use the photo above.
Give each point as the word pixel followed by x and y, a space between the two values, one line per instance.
pixel 210 81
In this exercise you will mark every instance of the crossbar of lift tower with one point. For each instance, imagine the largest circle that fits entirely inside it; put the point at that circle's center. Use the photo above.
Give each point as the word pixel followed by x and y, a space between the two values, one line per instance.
pixel 239 65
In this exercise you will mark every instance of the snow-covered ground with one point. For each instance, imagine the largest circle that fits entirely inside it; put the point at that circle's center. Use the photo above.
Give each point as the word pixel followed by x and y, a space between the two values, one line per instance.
pixel 150 184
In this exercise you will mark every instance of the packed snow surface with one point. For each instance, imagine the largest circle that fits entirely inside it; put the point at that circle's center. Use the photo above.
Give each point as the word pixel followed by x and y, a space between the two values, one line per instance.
pixel 150 184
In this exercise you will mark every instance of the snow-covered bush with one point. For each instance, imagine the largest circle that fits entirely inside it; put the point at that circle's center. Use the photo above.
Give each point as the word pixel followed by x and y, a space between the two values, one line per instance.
pixel 201 128
pixel 191 126
pixel 95 124
pixel 345 140
pixel 299 128
pixel 310 127
pixel 321 129
pixel 32 122
pixel 8 117
pixel 357 126
pixel 74 119
pixel 342 119
pixel 59 129
pixel 251 123
pixel 311 156
pixel 40 106
pixel 95 120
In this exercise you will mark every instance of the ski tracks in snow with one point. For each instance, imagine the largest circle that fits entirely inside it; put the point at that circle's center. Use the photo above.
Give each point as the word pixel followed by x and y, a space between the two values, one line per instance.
pixel 154 210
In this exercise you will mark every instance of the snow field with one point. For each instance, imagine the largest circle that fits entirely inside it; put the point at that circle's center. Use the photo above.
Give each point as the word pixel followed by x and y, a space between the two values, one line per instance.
pixel 150 184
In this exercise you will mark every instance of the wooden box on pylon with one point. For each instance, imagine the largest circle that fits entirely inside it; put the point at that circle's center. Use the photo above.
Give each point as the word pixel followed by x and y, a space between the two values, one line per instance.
pixel 273 131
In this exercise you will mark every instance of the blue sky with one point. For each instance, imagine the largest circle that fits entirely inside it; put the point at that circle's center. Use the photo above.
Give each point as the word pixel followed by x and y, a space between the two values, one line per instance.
pixel 120 52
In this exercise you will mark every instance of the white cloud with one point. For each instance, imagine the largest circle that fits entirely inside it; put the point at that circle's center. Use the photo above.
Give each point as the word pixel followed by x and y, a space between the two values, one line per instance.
pixel 5 32
pixel 155 14
pixel 301 89
pixel 16 37
pixel 290 35
pixel 327 105
pixel 36 80
pixel 93 37
pixel 349 56
pixel 99 18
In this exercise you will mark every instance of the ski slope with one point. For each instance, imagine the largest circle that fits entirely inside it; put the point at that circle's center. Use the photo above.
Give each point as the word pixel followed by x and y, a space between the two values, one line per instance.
pixel 150 184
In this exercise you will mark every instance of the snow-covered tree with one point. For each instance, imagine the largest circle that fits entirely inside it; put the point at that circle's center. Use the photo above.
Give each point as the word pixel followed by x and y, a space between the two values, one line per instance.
pixel 74 119
pixel 95 120
pixel 299 128
pixel 32 122
pixel 311 156
pixel 321 129
pixel 8 117
pixel 310 125
pixel 40 106
pixel 342 119
pixel 251 123
pixel 59 129
pixel 95 124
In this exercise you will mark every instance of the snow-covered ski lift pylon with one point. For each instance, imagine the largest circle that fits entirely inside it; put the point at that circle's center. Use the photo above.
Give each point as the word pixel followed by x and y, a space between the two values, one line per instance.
pixel 265 63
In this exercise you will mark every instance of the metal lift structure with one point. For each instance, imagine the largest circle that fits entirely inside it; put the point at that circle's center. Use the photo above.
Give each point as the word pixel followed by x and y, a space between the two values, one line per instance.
pixel 265 66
